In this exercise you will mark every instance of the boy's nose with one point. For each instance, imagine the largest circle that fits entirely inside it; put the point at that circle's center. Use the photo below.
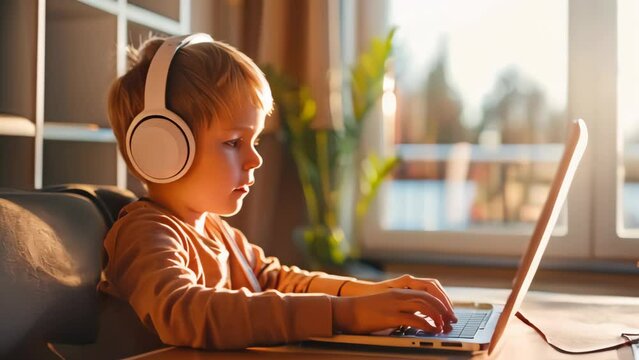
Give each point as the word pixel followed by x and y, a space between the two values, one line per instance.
pixel 254 160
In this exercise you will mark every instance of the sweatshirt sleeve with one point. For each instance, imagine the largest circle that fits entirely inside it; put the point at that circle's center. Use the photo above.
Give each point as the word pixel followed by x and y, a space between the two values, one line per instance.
pixel 289 279
pixel 149 268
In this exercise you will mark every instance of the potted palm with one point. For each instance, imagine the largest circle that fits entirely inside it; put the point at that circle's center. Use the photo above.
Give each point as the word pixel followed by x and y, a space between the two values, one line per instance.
pixel 328 160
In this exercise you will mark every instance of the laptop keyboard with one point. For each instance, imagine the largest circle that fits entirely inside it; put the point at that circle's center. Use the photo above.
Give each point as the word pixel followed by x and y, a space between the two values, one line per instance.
pixel 469 322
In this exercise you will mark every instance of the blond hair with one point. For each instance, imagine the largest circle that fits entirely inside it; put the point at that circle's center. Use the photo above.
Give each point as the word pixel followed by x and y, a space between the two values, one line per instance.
pixel 206 82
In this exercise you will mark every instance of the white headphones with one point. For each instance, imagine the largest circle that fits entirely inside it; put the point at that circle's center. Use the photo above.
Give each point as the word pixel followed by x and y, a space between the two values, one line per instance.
pixel 159 143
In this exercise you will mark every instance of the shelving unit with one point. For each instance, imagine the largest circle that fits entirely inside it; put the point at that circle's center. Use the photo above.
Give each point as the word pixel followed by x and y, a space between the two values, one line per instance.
pixel 62 57
pixel 12 125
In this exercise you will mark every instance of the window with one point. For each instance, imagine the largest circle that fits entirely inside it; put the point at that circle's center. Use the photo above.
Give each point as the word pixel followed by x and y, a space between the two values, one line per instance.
pixel 616 213
pixel 628 117
pixel 484 92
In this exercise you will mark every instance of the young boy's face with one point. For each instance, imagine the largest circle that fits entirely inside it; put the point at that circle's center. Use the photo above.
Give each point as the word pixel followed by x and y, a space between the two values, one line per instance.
pixel 225 162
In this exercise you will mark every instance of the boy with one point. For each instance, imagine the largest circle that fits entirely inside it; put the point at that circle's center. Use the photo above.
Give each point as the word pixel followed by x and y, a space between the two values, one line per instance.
pixel 189 276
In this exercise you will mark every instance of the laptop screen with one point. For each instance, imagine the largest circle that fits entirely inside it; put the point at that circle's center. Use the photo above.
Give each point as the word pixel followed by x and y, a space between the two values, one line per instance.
pixel 573 151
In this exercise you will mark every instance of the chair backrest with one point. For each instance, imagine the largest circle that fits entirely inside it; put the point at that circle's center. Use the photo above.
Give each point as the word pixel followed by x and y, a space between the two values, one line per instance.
pixel 50 263
pixel 108 199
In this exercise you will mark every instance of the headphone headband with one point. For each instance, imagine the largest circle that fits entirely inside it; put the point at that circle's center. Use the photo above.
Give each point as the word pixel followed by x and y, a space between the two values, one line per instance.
pixel 157 76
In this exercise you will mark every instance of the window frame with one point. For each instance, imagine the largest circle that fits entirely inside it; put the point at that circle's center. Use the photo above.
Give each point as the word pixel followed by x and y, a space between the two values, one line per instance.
pixel 609 238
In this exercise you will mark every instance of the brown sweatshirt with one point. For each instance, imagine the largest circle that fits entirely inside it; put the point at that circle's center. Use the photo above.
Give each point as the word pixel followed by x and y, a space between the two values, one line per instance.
pixel 214 292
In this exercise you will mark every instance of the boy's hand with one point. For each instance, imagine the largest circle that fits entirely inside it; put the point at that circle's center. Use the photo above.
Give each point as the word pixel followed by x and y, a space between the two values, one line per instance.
pixel 390 309
pixel 430 286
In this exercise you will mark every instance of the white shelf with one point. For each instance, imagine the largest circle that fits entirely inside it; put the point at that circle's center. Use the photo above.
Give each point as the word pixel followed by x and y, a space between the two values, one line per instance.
pixel 140 15
pixel 77 132
pixel 154 21
pixel 16 126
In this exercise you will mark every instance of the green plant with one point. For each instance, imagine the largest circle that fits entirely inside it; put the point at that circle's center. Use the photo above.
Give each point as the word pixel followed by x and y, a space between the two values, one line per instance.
pixel 325 157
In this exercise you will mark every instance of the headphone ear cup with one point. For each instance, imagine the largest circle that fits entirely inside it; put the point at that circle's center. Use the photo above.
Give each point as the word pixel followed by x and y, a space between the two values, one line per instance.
pixel 159 144
pixel 160 149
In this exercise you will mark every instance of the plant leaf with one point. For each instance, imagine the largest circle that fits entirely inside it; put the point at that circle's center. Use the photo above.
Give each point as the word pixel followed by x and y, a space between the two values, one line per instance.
pixel 375 171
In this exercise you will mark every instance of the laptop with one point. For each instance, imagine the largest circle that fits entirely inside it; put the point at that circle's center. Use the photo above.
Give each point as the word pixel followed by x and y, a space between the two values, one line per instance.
pixel 480 326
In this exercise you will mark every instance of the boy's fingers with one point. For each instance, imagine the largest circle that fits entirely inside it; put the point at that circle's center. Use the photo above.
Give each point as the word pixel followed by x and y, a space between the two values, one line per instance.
pixel 435 304
pixel 439 293
pixel 419 323
pixel 426 308
pixel 433 289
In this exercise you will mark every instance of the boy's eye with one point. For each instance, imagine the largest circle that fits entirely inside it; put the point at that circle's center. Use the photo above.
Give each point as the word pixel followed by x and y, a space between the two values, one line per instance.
pixel 233 143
